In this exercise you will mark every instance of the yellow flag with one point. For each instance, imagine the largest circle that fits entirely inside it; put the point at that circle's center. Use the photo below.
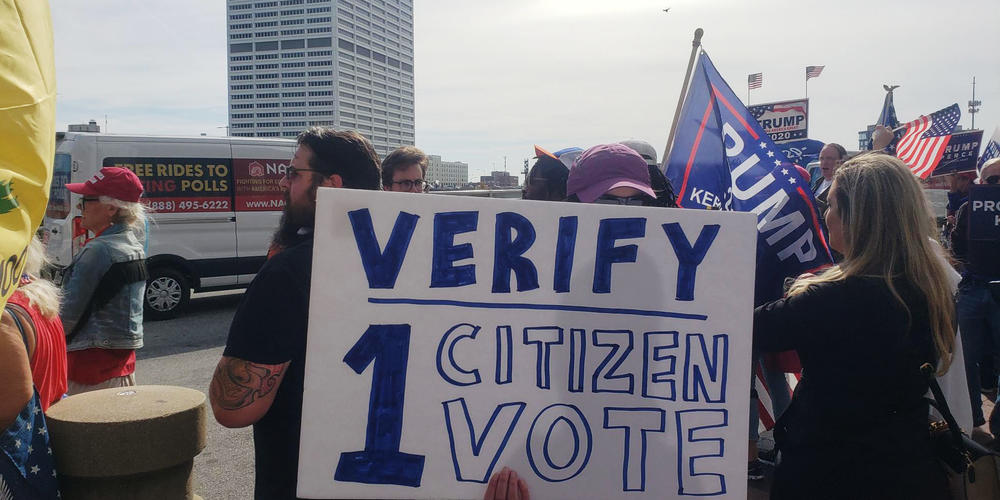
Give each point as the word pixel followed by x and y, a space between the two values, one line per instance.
pixel 27 129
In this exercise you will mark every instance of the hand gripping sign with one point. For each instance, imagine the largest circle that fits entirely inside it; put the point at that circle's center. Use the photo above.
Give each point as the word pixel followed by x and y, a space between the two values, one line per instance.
pixel 601 351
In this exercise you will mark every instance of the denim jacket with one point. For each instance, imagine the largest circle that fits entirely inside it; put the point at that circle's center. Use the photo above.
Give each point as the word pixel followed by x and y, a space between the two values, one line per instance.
pixel 117 325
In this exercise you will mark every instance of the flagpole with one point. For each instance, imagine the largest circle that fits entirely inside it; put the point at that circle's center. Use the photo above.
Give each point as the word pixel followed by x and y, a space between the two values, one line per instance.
pixel 695 44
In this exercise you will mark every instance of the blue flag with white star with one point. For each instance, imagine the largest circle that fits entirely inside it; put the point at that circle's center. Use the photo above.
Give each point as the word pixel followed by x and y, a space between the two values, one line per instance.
pixel 27 466
pixel 992 150
pixel 722 159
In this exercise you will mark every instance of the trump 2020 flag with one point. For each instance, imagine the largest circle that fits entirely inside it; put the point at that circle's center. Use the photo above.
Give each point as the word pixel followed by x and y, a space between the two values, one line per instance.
pixel 722 159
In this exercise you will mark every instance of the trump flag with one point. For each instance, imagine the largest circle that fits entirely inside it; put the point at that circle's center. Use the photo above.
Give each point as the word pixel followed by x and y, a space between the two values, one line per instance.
pixel 722 159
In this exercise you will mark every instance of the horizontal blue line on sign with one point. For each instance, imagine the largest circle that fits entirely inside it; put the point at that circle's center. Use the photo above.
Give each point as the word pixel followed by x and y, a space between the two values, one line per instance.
pixel 541 307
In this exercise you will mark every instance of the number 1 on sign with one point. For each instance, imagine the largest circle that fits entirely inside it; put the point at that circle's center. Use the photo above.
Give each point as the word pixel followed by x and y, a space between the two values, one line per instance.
pixel 386 348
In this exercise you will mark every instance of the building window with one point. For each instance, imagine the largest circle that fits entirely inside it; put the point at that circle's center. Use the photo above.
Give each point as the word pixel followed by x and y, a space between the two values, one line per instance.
pixel 289 55
pixel 293 32
pixel 268 115
pixel 292 85
pixel 320 63
pixel 292 22
pixel 264 57
pixel 320 53
pixel 314 20
pixel 265 46
pixel 320 42
pixel 296 104
pixel 293 44
pixel 321 84
pixel 264 34
pixel 293 12
pixel 320 30
pixel 242 106
pixel 293 94
pixel 296 74
pixel 267 24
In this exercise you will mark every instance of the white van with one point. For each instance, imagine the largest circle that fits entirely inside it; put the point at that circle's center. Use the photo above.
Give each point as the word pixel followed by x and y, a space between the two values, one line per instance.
pixel 214 204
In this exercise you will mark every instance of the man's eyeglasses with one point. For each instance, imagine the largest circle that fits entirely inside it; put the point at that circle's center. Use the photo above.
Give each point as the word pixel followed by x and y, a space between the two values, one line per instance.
pixel 293 173
pixel 408 184
pixel 620 200
pixel 91 199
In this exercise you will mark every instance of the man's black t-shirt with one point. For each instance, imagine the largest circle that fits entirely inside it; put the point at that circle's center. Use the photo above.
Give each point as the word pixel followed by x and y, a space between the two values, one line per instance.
pixel 270 328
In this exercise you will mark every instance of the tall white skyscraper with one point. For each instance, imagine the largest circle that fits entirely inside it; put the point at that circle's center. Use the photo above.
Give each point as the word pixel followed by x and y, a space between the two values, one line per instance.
pixel 341 63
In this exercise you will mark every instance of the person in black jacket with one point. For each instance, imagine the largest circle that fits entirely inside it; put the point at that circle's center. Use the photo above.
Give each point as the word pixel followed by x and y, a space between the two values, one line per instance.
pixel 857 426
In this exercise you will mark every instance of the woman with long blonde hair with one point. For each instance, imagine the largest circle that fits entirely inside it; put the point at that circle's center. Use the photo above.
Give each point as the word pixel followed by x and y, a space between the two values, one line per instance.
pixel 857 425
pixel 35 305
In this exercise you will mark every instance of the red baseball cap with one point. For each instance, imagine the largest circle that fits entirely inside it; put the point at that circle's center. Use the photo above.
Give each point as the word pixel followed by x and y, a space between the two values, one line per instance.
pixel 113 182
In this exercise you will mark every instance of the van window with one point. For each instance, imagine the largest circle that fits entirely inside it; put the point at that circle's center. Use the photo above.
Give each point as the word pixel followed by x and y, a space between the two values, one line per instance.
pixel 58 207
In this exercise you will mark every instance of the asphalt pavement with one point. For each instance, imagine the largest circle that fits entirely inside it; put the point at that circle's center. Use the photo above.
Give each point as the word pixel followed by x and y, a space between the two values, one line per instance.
pixel 183 352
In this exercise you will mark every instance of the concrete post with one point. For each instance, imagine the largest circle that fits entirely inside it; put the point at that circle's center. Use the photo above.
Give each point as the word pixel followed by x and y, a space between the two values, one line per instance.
pixel 135 443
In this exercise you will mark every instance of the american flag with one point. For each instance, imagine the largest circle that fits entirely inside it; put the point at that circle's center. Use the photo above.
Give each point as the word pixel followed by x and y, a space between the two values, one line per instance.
pixel 755 81
pixel 925 139
pixel 766 397
pixel 813 71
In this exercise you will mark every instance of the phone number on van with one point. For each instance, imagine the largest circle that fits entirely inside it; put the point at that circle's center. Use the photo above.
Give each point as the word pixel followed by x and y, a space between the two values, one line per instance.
pixel 194 205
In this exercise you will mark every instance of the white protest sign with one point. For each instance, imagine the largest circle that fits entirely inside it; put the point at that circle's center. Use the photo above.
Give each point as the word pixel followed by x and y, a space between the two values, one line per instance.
pixel 600 351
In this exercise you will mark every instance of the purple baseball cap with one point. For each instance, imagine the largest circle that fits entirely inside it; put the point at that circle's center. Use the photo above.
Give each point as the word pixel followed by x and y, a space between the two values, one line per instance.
pixel 605 167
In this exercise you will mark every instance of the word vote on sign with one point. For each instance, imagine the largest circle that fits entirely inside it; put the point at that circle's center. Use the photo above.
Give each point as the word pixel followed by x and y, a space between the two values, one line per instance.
pixel 601 351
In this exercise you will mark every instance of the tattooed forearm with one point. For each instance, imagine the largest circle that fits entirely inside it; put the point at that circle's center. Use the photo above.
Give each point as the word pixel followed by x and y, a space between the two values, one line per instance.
pixel 238 383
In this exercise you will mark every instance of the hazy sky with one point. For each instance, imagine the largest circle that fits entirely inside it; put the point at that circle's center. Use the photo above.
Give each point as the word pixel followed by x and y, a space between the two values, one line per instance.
pixel 494 78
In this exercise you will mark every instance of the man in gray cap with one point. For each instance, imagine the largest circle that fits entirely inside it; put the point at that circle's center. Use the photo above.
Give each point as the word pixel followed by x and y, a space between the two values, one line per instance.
pixel 664 190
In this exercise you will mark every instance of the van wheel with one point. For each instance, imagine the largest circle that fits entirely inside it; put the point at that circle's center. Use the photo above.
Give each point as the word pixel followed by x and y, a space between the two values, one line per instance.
pixel 167 292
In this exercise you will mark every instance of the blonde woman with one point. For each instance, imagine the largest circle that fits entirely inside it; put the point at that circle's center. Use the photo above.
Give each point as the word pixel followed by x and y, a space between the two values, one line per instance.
pixel 35 305
pixel 857 425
